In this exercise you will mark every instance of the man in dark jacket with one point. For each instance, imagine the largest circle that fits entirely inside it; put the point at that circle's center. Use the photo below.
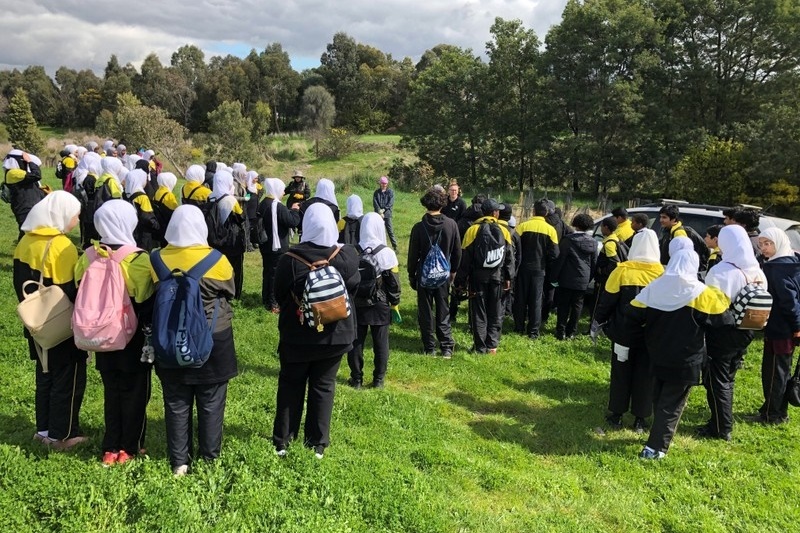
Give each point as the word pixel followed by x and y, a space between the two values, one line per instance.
pixel 434 228
pixel 383 202
pixel 486 270
pixel 550 298
pixel 572 272
pixel 539 248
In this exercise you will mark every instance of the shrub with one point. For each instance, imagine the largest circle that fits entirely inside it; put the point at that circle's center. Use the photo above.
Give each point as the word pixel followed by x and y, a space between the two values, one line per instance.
pixel 413 177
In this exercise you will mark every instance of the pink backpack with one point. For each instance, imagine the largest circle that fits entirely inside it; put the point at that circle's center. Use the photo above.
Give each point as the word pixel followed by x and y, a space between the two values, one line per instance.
pixel 104 319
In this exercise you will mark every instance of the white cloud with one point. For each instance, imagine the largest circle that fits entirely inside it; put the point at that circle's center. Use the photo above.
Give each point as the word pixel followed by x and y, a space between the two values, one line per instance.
pixel 84 34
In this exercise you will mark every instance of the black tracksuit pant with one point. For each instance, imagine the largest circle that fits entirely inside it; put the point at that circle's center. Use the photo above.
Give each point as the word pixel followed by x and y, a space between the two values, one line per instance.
pixel 776 371
pixel 321 379
pixel 719 375
pixel 570 305
pixel 486 309
pixel 669 400
pixel 59 395
pixel 529 295
pixel 433 314
pixel 125 398
pixel 631 384
pixel 269 261
pixel 237 262
pixel 380 347
pixel 179 400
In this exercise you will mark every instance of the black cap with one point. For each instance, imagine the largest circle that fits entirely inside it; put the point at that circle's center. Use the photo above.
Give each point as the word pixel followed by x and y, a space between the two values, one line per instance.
pixel 489 206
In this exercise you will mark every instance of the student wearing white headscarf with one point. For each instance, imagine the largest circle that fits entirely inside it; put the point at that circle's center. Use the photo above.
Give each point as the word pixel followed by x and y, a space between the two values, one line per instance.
pixel 22 175
pixel 680 243
pixel 148 229
pixel 229 238
pixel 310 357
pixel 253 194
pixel 164 202
pixel 782 270
pixel 274 222
pixel 325 194
pixel 59 391
pixel 108 186
pixel 630 387
pixel 206 386
pixel 727 346
pixel 373 306
pixel 126 379
pixel 194 192
pixel 675 311
pixel 350 224
pixel 66 166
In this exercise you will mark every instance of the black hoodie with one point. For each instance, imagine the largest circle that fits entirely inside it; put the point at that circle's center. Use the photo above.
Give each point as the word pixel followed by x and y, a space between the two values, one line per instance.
pixel 576 262
pixel 423 234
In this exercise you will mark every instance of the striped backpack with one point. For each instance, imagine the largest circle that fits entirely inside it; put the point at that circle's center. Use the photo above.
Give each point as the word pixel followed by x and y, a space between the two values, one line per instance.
pixel 751 306
pixel 325 299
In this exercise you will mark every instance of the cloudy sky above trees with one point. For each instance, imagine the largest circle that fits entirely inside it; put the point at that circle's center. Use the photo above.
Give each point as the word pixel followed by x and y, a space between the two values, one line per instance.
pixel 84 33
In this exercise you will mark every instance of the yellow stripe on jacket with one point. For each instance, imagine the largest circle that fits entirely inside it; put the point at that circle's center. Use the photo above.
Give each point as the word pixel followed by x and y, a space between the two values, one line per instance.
pixel 59 265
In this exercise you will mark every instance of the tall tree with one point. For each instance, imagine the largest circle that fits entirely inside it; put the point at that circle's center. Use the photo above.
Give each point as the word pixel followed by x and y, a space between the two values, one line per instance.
pixel 230 133
pixel 339 67
pixel 22 129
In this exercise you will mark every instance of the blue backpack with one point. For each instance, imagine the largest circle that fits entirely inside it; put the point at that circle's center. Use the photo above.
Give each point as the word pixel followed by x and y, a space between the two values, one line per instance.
pixel 435 269
pixel 181 332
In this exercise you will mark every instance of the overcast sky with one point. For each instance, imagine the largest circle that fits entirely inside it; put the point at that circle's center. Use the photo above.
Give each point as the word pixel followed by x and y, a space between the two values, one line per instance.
pixel 84 33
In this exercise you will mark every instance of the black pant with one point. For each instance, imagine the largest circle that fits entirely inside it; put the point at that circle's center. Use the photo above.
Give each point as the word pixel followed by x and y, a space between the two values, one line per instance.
pixel 427 299
pixel 570 305
pixel 380 347
pixel 776 371
pixel 486 312
pixel 669 399
pixel 631 384
pixel 387 221
pixel 530 285
pixel 125 397
pixel 549 300
pixel 178 402
pixel 269 260
pixel 321 378
pixel 59 395
pixel 718 379
pixel 237 262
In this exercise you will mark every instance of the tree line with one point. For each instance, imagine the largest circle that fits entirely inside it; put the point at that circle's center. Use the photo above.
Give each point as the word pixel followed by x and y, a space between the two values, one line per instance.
pixel 690 98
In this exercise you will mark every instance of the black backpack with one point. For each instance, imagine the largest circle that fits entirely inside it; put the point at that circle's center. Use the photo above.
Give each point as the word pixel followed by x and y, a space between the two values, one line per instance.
pixel 699 246
pixel 490 246
pixel 224 236
pixel 371 281
pixel 622 251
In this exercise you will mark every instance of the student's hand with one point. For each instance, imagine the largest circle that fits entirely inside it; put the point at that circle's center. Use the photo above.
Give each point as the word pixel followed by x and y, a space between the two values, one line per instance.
pixel 296 207
pixel 507 285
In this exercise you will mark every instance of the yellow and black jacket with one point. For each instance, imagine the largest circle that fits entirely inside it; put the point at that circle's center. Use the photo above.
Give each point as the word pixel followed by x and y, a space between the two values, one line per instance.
pixel 609 257
pixel 481 265
pixel 624 231
pixel 164 203
pixel 147 228
pixel 676 230
pixel 24 189
pixel 193 193
pixel 538 244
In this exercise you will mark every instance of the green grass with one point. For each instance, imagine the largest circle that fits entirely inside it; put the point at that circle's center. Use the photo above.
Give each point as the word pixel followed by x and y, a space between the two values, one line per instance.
pixel 503 443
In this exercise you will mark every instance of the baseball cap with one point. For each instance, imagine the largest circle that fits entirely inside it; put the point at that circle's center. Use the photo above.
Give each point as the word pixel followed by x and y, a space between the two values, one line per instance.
pixel 489 206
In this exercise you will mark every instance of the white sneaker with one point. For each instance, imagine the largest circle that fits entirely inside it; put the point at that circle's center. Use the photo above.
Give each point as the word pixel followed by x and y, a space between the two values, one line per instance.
pixel 281 453
pixel 180 471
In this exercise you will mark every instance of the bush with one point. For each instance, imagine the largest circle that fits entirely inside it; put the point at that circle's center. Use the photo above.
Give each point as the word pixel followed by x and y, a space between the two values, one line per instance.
pixel 413 177
pixel 338 144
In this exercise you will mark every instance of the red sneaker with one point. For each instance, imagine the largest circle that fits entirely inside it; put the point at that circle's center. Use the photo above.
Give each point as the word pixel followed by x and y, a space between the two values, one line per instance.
pixel 123 457
pixel 109 458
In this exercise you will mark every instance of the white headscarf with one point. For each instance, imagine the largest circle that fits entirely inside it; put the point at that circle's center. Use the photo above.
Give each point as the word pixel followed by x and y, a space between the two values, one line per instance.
pixel 355 207
pixel 80 151
pixel 56 210
pixel 739 265
pixel 196 174
pixel 11 163
pixel 677 286
pixel 135 181
pixel 680 243
pixel 319 226
pixel 108 146
pixel 275 188
pixel 252 176
pixel 92 162
pixel 112 165
pixel 168 180
pixel 115 221
pixel 147 155
pixel 79 175
pixel 644 247
pixel 223 194
pixel 132 160
pixel 71 148
pixel 373 234
pixel 783 247
pixel 187 227
pixel 326 191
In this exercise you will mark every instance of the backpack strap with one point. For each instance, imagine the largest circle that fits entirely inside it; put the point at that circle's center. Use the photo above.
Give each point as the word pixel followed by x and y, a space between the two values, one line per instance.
pixel 119 255
pixel 159 266
pixel 199 270
pixel 315 264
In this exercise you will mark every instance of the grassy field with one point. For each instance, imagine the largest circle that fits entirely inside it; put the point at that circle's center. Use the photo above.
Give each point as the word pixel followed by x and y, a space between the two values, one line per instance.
pixel 503 443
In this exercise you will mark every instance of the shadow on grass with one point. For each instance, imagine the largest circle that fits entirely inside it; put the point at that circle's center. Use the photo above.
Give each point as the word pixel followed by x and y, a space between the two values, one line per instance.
pixel 565 428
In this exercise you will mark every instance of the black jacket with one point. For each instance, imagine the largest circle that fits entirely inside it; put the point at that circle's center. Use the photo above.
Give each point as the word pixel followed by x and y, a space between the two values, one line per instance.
pixel 26 192
pixel 351 232
pixel 211 169
pixel 287 219
pixel 576 261
pixel 311 201
pixel 423 234
pixel 299 342
pixel 473 260
pixel 539 244
pixel 388 295
pixel 783 283
pixel 468 217
pixel 297 193
pixel 455 210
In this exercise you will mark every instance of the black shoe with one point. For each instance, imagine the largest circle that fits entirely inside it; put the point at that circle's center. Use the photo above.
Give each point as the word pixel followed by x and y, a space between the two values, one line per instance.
pixel 614 421
pixel 319 451
pixel 355 383
pixel 560 335
pixel 447 354
pixel 639 426
pixel 707 432
pixel 533 336
pixel 377 384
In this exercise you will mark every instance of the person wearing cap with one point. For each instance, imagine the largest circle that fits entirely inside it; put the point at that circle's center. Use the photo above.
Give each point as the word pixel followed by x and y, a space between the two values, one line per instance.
pixel 486 270
pixel 383 202
pixel 298 190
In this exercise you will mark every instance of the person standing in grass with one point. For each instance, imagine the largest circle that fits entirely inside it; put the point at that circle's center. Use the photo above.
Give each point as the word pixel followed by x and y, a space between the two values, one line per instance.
pixel 782 270
pixel 631 386
pixel 373 311
pixel 383 202
pixel 350 224
pixel 22 175
pixel 325 193
pixel 194 192
pixel 126 379
pixel 310 357
pixel 298 190
pixel 675 310
pixel 46 252
pixel 148 228
pixel 164 203
pixel 231 216
pixel 207 386
pixel 456 206
pixel 727 346
pixel 434 228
